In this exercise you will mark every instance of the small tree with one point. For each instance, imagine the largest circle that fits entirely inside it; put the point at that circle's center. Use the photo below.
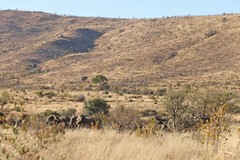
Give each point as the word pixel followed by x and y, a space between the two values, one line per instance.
pixel 4 98
pixel 95 106
pixel 102 81
pixel 124 118
pixel 174 106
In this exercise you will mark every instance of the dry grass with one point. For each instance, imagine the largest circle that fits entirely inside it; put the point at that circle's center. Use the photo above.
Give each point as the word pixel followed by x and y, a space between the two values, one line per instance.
pixel 92 145
pixel 33 104
pixel 131 52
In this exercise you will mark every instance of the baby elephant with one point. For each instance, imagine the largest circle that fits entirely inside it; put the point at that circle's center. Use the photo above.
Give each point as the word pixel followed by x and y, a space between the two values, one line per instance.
pixel 65 120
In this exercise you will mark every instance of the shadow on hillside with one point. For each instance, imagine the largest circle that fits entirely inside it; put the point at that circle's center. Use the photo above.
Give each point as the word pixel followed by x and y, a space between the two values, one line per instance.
pixel 82 42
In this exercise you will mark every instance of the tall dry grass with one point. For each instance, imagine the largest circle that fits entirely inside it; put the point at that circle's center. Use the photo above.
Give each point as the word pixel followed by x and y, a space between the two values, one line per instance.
pixel 109 145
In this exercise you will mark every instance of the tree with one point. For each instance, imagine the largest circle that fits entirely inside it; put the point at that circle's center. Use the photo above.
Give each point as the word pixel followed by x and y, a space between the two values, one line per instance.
pixel 102 81
pixel 175 106
pixel 124 118
pixel 4 98
pixel 95 106
pixel 204 103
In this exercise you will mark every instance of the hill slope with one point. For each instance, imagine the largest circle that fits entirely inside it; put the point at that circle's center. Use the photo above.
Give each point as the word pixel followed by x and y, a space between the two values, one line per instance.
pixel 39 48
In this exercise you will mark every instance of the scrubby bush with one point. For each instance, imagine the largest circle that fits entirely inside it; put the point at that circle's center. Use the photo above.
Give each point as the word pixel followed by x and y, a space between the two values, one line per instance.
pixel 50 94
pixel 148 112
pixel 84 78
pixel 211 33
pixel 47 113
pixel 95 106
pixel 214 131
pixel 104 86
pixel 4 98
pixel 69 112
pixel 80 98
pixel 187 107
pixel 161 92
pixel 42 93
pixel 102 81
pixel 124 118
pixel 175 106
pixel 99 79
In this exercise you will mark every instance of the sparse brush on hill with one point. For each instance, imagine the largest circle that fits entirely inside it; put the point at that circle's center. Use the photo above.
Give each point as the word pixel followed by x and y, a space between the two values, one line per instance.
pixel 130 52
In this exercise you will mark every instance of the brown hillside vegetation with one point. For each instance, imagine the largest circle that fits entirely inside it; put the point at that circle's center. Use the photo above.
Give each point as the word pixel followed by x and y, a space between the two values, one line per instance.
pixel 39 48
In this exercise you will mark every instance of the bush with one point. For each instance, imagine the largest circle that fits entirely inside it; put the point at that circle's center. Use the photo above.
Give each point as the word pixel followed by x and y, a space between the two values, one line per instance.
pixel 4 98
pixel 211 33
pixel 125 118
pixel 84 78
pixel 80 98
pixel 69 112
pixel 149 112
pixel 40 93
pixel 47 113
pixel 49 94
pixel 104 86
pixel 96 106
pixel 175 107
pixel 161 92
pixel 99 79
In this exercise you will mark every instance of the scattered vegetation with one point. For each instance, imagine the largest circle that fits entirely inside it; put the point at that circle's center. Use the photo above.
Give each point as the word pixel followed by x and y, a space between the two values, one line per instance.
pixel 4 98
pixel 96 106
pixel 47 93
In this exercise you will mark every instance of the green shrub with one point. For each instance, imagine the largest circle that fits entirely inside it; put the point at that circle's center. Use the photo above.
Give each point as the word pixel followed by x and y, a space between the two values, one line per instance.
pixel 95 106
pixel 99 79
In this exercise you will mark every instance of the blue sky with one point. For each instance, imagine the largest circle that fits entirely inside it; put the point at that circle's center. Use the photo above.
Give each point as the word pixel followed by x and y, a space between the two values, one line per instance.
pixel 126 8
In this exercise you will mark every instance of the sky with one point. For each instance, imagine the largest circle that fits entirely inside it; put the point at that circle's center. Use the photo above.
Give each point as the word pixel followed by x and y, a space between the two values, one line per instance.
pixel 125 8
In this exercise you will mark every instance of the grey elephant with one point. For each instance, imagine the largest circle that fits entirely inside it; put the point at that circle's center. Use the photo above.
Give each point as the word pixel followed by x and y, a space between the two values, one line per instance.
pixel 53 120
pixel 65 120
pixel 74 121
pixel 87 122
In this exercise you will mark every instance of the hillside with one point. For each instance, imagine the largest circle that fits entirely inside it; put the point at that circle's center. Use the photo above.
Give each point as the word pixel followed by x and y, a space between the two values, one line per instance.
pixel 38 48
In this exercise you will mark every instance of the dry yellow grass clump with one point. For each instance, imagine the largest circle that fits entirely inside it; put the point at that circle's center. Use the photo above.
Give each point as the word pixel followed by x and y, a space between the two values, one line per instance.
pixel 93 145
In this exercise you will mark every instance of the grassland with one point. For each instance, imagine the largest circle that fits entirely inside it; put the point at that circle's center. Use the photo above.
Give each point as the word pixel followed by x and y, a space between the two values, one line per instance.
pixel 141 58
pixel 132 53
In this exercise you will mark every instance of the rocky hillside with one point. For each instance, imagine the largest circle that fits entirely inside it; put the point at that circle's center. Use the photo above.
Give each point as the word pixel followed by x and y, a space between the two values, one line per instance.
pixel 38 48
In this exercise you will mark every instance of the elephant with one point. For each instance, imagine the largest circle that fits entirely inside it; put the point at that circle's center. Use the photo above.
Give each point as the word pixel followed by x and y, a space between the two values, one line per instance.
pixel 74 121
pixel 53 120
pixel 162 121
pixel 16 119
pixel 89 122
pixel 65 120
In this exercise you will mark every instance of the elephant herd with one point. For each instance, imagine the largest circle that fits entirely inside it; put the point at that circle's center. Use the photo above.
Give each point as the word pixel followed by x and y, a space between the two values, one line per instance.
pixel 74 121
pixel 17 119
